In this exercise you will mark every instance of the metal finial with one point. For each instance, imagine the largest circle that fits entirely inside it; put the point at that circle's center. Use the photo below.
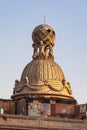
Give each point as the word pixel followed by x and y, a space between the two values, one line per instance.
pixel 44 18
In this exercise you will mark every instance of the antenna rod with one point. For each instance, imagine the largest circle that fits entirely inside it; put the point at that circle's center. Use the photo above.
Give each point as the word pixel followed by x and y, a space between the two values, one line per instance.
pixel 44 18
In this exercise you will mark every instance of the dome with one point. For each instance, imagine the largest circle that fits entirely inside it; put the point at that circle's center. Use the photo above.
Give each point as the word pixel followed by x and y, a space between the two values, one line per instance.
pixel 40 70
pixel 42 77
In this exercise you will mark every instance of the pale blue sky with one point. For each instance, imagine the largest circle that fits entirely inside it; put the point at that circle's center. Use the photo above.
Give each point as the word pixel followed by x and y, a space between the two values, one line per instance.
pixel 18 18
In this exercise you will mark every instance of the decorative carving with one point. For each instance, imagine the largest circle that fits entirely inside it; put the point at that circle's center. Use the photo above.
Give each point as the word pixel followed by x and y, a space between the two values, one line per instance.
pixel 58 88
pixel 46 50
pixel 68 86
pixel 41 49
pixel 43 32
pixel 43 37
pixel 51 49
pixel 26 80
pixel 35 46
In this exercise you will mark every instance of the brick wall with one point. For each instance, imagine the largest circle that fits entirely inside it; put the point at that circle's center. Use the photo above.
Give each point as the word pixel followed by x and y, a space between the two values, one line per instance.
pixel 10 122
pixel 7 106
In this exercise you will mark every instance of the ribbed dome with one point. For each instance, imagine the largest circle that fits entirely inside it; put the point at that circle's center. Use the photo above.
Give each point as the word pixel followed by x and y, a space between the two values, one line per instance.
pixel 40 70
pixel 42 77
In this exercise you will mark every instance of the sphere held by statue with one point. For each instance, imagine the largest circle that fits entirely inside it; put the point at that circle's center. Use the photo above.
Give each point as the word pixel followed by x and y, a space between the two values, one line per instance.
pixel 43 33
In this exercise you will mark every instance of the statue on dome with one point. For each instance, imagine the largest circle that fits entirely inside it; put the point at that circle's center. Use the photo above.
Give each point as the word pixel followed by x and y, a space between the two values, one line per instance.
pixel 43 37
pixel 41 49
pixel 35 54
pixel 51 49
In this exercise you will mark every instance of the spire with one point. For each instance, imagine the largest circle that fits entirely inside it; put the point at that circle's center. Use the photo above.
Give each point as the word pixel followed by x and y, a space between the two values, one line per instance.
pixel 44 18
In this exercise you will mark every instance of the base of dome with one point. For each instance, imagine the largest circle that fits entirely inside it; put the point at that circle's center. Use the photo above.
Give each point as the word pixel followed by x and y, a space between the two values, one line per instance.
pixel 45 97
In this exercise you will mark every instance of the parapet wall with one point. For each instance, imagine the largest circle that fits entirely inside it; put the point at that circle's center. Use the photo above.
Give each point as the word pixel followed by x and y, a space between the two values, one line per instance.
pixel 13 122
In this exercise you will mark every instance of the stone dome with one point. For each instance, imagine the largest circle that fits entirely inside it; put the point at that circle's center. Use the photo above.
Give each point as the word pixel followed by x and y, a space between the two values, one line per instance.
pixel 40 70
pixel 42 77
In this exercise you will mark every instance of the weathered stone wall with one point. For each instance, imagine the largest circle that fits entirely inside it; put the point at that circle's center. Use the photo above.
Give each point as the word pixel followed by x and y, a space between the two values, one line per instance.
pixel 7 106
pixel 13 122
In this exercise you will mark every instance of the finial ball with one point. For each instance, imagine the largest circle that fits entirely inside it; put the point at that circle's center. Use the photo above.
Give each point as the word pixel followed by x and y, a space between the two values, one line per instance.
pixel 43 33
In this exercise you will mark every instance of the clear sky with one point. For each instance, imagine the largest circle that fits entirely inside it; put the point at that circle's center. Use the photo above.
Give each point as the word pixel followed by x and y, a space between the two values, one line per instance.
pixel 18 18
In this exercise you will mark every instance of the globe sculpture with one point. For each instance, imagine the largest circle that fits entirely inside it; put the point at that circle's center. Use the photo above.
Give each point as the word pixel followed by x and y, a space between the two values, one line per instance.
pixel 44 33
pixel 43 37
